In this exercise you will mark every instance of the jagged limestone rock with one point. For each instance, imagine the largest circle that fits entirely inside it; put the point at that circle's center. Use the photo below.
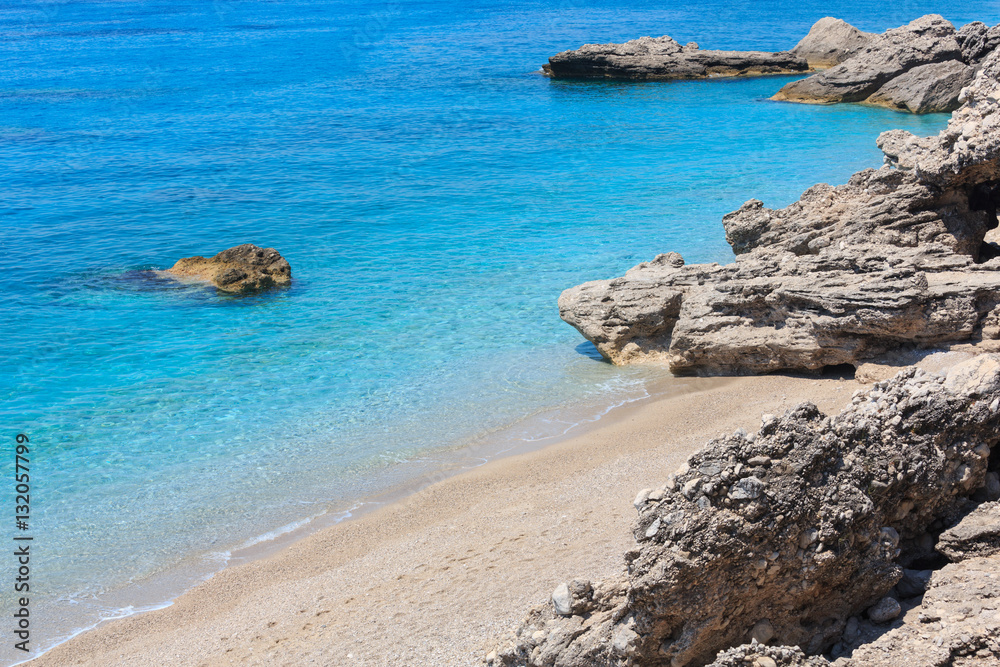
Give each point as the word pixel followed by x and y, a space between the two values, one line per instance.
pixel 929 39
pixel 895 257
pixel 662 58
pixel 805 524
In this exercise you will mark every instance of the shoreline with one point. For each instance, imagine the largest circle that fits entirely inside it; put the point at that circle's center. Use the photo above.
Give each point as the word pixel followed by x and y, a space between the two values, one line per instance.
pixel 384 486
pixel 222 620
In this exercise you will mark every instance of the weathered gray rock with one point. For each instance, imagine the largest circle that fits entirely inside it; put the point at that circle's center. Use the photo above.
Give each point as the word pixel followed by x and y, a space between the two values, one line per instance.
pixel 707 570
pixel 830 42
pixel 976 41
pixel 884 610
pixel 663 58
pixel 957 624
pixel 895 257
pixel 977 535
pixel 929 39
pixel 926 89
pixel 243 268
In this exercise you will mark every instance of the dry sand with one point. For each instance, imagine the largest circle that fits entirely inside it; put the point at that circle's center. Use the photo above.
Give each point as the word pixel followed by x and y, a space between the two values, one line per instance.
pixel 437 577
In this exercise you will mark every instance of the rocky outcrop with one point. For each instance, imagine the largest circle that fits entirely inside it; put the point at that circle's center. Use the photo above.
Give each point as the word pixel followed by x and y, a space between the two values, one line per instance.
pixel 926 89
pixel 830 42
pixel 977 41
pixel 240 269
pixel 662 58
pixel 920 67
pixel 896 257
pixel 784 536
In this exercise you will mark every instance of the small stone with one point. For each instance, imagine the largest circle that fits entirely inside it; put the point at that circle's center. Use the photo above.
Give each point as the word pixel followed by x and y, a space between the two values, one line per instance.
pixel 764 661
pixel 749 488
pixel 760 461
pixel 709 468
pixel 623 639
pixel 690 488
pixel 641 497
pixel 807 537
pixel 562 601
pixel 884 610
pixel 992 486
pixel 653 527
pixel 763 631
pixel 889 537
pixel 851 630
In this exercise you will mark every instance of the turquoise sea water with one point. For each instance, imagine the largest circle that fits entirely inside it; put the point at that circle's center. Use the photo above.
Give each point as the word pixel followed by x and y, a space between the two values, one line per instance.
pixel 433 195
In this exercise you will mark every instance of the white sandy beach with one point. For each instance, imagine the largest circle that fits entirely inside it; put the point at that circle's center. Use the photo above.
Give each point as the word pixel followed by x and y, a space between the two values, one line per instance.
pixel 437 577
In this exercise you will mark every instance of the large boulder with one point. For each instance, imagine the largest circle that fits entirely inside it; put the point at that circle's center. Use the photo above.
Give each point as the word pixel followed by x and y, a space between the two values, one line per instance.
pixel 895 257
pixel 784 535
pixel 830 42
pixel 929 39
pixel 240 269
pixel 976 535
pixel 926 89
pixel 663 58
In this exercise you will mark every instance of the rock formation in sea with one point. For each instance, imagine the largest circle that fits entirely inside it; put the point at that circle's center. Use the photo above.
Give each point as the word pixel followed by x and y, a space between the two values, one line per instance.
pixel 920 67
pixel 830 42
pixel 897 257
pixel 808 536
pixel 240 269
pixel 661 58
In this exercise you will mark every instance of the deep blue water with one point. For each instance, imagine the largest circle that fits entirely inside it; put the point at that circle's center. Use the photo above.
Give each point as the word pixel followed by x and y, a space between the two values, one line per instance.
pixel 433 195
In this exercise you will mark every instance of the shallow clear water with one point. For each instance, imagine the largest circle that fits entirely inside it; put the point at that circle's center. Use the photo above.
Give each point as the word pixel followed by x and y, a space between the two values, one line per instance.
pixel 433 195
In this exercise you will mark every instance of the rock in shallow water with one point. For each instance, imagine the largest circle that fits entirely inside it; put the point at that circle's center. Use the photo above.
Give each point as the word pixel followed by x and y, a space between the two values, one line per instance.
pixel 662 58
pixel 240 269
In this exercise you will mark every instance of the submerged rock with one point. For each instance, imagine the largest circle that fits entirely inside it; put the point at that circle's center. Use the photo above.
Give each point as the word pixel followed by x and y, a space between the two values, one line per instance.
pixel 663 58
pixel 830 42
pixel 895 257
pixel 843 505
pixel 243 268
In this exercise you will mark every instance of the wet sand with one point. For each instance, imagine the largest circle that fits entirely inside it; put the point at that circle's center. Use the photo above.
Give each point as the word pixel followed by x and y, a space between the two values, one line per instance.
pixel 437 577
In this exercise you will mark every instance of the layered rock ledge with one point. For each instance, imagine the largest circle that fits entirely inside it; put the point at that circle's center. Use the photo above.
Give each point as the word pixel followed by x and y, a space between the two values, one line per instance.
pixel 920 67
pixel 804 538
pixel 896 257
pixel 240 269
pixel 662 58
